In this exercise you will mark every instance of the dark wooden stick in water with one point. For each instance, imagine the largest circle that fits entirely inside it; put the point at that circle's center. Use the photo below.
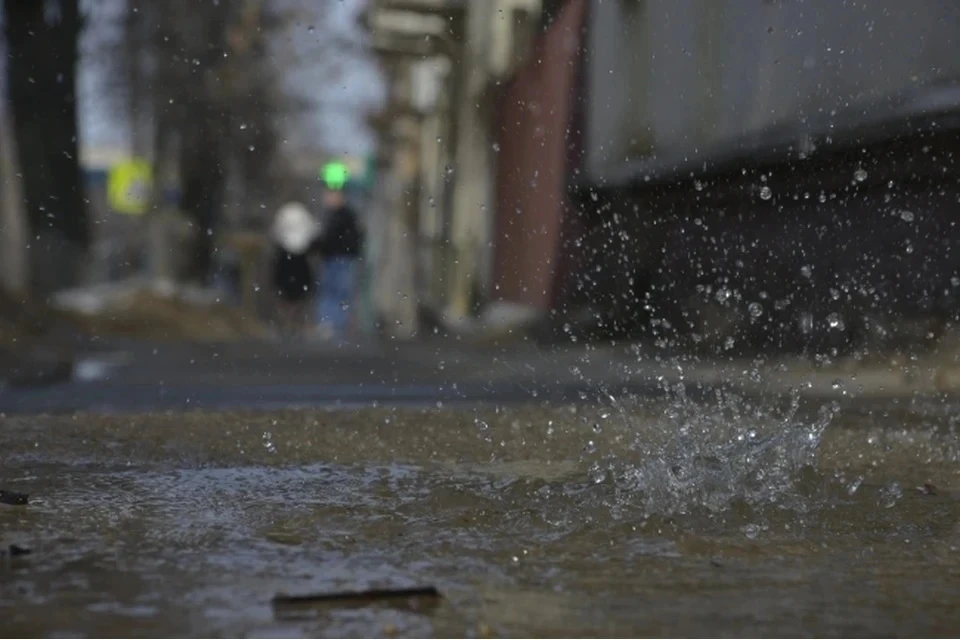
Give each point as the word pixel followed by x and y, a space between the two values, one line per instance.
pixel 358 597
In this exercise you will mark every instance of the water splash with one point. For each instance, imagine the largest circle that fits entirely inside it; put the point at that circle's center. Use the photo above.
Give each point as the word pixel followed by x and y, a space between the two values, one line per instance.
pixel 707 457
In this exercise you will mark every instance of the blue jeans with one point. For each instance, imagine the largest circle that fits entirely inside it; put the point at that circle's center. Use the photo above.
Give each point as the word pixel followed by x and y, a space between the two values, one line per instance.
pixel 336 293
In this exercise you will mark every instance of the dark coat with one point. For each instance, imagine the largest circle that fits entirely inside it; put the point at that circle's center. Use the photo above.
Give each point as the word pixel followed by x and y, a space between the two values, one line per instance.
pixel 342 236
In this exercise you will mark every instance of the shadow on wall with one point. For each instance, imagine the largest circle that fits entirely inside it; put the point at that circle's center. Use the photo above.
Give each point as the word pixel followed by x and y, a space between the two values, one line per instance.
pixel 823 255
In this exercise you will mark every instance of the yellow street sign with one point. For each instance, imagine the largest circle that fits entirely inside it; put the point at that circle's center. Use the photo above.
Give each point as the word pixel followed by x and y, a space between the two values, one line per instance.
pixel 129 186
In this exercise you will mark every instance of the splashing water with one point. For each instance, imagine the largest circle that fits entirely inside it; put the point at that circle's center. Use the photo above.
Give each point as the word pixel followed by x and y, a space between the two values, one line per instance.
pixel 707 458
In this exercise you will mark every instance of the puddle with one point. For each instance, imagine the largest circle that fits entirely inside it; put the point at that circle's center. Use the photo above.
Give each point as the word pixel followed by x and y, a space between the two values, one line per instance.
pixel 531 521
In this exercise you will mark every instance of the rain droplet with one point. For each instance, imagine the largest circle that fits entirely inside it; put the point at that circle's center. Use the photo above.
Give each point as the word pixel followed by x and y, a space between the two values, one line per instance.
pixel 906 215
pixel 835 322
pixel 723 294
pixel 860 174
pixel 496 146
pixel 698 185
pixel 755 310
pixel 268 442
pixel 766 193
pixel 806 270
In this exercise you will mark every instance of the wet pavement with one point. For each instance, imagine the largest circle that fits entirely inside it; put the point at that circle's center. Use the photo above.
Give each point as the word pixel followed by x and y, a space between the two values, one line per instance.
pixel 660 514
pixel 137 376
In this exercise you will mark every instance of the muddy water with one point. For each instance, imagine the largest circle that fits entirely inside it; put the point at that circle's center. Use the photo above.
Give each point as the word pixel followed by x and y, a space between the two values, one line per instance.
pixel 643 518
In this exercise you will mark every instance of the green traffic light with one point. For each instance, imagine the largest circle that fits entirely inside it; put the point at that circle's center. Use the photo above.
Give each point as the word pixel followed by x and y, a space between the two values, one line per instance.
pixel 334 175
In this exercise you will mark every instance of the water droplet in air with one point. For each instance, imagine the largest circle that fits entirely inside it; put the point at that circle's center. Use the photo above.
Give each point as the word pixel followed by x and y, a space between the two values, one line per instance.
pixel 755 310
pixel 268 442
pixel 766 193
pixel 860 174
pixel 806 270
pixel 906 215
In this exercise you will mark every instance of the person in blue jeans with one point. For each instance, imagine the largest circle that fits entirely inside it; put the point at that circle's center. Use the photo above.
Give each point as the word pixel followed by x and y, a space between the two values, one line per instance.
pixel 340 246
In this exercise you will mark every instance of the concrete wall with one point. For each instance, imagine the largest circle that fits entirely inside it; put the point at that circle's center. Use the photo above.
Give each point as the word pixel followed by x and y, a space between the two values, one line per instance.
pixel 677 82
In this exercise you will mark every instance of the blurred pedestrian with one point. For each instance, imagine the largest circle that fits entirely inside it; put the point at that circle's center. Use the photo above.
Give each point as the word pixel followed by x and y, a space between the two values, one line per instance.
pixel 340 245
pixel 294 230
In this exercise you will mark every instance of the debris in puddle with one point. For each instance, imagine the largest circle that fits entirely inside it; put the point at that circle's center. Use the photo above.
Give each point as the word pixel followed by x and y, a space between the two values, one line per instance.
pixel 412 597
pixel 716 563
pixel 13 498
pixel 928 489
pixel 14 551
pixel 284 537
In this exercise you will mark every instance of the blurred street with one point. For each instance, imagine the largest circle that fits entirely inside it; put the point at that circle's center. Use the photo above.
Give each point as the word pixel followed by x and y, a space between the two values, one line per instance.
pixel 479 318
pixel 131 376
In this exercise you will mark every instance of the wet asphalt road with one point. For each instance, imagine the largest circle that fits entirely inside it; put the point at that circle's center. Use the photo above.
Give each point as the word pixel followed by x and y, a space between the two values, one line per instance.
pixel 139 377
pixel 136 377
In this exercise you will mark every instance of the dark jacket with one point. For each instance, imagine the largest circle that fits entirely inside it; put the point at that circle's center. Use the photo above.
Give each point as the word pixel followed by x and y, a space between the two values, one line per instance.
pixel 342 236
pixel 292 274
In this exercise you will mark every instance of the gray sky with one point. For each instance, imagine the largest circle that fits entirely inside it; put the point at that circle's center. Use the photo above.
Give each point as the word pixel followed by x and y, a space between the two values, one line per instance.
pixel 340 84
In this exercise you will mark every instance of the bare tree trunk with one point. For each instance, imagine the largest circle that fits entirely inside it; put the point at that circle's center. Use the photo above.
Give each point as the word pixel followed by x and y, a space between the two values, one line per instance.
pixel 41 79
pixel 203 180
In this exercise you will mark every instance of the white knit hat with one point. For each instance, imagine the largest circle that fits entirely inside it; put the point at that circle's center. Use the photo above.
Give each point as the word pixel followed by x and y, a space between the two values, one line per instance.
pixel 294 228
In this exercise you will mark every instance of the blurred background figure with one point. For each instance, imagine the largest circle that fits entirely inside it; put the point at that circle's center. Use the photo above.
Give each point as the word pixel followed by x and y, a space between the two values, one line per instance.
pixel 339 246
pixel 294 230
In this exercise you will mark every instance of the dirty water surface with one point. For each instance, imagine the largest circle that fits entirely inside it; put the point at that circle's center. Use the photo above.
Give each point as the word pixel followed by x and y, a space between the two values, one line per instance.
pixel 638 517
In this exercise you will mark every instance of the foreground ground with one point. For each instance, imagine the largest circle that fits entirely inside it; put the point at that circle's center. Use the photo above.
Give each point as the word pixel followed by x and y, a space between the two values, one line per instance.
pixel 651 515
